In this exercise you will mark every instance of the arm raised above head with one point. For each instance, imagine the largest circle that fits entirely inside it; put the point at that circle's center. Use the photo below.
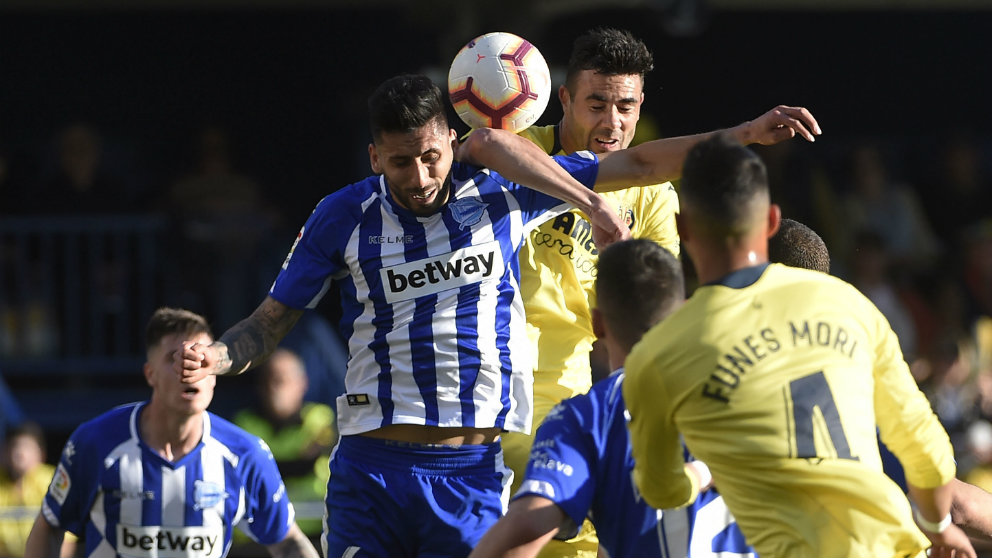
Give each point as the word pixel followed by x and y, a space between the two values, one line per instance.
pixel 661 160
pixel 523 162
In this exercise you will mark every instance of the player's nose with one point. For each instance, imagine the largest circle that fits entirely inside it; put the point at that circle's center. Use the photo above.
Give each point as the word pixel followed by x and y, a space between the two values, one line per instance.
pixel 424 178
pixel 613 118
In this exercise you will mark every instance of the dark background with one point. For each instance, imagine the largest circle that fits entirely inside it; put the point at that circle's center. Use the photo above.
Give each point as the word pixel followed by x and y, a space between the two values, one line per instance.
pixel 290 83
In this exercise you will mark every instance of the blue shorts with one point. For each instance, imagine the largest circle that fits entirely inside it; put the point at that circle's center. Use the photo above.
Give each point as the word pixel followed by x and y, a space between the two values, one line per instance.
pixel 388 498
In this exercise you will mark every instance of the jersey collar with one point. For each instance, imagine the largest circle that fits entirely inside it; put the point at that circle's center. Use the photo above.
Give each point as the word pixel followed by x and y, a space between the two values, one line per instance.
pixel 742 277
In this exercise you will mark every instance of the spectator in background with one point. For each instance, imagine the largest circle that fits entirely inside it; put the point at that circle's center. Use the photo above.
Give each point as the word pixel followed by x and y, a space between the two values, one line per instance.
pixel 324 356
pixel 977 272
pixel 891 210
pixel 226 233
pixel 959 193
pixel 951 385
pixel 871 273
pixel 82 182
pixel 24 479
pixel 300 434
pixel 977 465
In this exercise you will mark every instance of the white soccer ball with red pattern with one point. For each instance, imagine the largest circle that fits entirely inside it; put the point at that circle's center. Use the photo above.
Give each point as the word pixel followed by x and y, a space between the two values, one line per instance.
pixel 499 80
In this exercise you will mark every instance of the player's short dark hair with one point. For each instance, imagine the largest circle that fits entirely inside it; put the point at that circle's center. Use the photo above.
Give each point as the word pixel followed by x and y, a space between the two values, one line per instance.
pixel 725 184
pixel 404 103
pixel 638 283
pixel 608 51
pixel 797 245
pixel 168 321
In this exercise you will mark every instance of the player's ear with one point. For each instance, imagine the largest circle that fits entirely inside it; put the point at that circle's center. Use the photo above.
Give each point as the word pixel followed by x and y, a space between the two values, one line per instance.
pixel 374 159
pixel 598 324
pixel 148 371
pixel 563 97
pixel 774 219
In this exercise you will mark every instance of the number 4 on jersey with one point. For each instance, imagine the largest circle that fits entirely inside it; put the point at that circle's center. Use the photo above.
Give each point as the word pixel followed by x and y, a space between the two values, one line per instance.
pixel 808 394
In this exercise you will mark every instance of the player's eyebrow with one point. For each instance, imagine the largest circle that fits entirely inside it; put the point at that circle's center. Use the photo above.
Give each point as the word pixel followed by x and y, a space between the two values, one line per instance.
pixel 601 98
pixel 400 157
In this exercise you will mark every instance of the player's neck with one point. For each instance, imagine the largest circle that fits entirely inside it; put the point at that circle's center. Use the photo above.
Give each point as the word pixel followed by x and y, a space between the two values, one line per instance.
pixel 617 352
pixel 565 139
pixel 716 261
pixel 170 435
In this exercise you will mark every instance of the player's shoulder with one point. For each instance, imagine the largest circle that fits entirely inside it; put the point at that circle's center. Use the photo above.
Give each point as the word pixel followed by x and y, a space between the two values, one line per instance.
pixel 655 197
pixel 604 394
pixel 608 388
pixel 352 194
pixel 117 419
pixel 544 136
pixel 107 429
pixel 237 440
pixel 345 204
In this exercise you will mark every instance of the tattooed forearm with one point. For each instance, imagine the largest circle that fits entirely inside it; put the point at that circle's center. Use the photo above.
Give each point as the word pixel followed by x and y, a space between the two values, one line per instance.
pixel 252 340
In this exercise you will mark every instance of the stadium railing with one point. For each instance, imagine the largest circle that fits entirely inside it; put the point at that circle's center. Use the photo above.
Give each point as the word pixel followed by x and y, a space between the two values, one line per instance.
pixel 75 293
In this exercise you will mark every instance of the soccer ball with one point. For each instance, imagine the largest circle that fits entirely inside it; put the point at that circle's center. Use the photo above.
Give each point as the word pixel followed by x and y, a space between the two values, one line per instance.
pixel 499 80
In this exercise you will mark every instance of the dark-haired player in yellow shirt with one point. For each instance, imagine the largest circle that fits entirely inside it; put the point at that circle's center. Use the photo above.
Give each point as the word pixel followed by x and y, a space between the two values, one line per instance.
pixel 601 102
pixel 776 378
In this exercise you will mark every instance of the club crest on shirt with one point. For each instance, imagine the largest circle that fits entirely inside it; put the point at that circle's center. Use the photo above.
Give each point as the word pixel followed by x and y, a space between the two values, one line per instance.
pixel 467 211
pixel 207 494
pixel 627 216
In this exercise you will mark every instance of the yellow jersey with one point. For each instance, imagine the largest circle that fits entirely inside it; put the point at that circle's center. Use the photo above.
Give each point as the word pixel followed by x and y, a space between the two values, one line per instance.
pixel 776 378
pixel 30 493
pixel 558 275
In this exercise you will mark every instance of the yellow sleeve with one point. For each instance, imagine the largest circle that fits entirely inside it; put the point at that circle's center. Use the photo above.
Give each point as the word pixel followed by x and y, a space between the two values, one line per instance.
pixel 906 422
pixel 658 222
pixel 659 470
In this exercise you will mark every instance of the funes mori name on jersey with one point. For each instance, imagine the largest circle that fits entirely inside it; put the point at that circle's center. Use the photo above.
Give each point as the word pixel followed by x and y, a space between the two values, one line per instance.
pixel 734 364
pixel 427 276
pixel 169 542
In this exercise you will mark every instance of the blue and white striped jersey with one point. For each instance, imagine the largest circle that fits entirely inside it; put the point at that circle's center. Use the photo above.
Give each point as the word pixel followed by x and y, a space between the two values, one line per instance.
pixel 124 499
pixel 431 305
pixel 581 460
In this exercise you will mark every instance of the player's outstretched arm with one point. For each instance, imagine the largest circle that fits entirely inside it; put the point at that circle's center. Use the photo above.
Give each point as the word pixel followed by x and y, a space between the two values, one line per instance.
pixel 661 160
pixel 44 541
pixel 246 344
pixel 523 162
pixel 295 545
pixel 528 525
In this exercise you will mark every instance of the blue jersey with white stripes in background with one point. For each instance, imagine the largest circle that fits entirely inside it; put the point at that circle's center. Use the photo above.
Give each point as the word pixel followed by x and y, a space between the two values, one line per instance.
pixel 581 460
pixel 430 305
pixel 124 499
